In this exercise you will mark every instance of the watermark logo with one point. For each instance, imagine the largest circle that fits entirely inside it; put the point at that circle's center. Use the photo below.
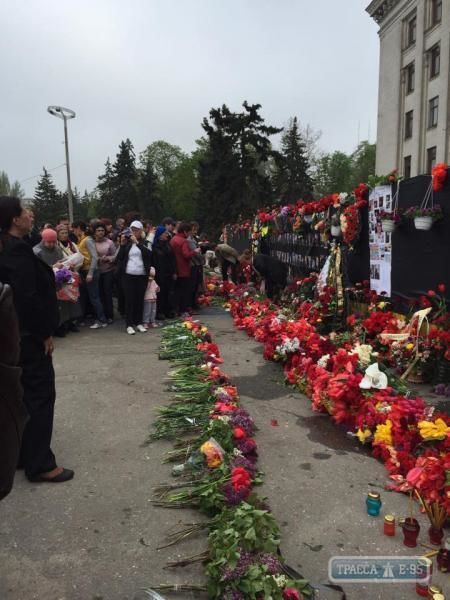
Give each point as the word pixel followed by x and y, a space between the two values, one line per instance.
pixel 379 569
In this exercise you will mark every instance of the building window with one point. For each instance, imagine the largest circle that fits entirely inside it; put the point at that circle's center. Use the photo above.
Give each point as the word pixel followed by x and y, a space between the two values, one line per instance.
pixel 435 60
pixel 433 110
pixel 436 12
pixel 409 124
pixel 410 78
pixel 407 167
pixel 431 159
pixel 411 31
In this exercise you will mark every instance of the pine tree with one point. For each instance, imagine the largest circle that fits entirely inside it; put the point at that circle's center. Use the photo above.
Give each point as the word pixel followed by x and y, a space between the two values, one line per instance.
pixel 293 180
pixel 106 191
pixel 48 204
pixel 148 200
pixel 10 189
pixel 233 174
pixel 124 179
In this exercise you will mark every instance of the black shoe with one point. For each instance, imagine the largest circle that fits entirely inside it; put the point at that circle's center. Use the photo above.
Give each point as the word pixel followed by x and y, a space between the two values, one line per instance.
pixel 65 475
pixel 60 332
pixel 74 327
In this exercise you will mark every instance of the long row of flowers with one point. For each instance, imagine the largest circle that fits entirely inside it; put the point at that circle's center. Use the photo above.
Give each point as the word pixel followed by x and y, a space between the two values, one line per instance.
pixel 215 455
pixel 344 374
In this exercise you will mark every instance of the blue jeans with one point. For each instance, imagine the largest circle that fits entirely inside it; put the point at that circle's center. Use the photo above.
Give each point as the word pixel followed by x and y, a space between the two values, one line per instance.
pixel 93 293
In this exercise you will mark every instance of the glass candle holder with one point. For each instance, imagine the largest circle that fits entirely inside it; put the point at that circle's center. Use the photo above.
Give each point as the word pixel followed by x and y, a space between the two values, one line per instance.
pixel 389 525
pixel 411 528
pixel 373 503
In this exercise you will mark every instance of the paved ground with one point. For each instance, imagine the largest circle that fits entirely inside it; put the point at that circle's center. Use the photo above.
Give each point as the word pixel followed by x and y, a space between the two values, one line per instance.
pixel 95 538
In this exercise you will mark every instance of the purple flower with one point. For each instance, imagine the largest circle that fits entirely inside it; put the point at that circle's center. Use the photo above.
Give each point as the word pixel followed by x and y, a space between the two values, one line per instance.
pixel 241 461
pixel 241 418
pixel 271 562
pixel 62 276
pixel 442 390
pixel 232 497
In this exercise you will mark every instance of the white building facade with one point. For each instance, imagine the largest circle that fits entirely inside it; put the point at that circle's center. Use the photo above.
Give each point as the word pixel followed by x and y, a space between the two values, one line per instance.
pixel 414 85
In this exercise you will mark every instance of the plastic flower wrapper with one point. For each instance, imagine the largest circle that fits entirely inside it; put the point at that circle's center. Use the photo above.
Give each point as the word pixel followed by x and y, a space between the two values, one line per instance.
pixel 213 452
pixel 374 378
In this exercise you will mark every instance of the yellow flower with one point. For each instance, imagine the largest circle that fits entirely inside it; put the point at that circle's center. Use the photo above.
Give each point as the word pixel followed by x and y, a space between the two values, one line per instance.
pixel 363 436
pixel 204 329
pixel 383 434
pixel 381 304
pixel 433 431
pixel 211 287
pixel 187 324
pixel 409 346
pixel 212 454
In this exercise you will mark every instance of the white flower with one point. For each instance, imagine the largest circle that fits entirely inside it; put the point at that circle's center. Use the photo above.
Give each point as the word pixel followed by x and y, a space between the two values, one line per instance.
pixel 280 580
pixel 374 378
pixel 343 197
pixel 237 452
pixel 288 345
pixel 364 352
pixel 323 361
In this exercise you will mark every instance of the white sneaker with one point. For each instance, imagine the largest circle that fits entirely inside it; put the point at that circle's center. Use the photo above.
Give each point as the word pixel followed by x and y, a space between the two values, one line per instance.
pixel 141 328
pixel 130 330
pixel 96 325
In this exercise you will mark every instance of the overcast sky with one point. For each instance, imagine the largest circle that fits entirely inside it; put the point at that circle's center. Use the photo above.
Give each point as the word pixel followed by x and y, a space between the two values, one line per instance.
pixel 152 69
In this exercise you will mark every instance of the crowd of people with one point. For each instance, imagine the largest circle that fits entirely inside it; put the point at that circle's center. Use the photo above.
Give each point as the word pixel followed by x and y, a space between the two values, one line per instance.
pixel 156 273
pixel 58 278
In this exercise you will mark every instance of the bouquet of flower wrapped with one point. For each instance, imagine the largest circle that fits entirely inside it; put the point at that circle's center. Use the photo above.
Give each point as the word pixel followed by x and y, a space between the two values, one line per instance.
pixel 67 285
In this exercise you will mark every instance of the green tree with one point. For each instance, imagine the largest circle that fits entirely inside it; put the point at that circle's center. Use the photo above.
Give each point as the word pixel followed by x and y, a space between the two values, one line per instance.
pixel 233 173
pixel 363 159
pixel 48 203
pixel 293 180
pixel 148 199
pixel 334 174
pixel 124 179
pixel 106 192
pixel 10 189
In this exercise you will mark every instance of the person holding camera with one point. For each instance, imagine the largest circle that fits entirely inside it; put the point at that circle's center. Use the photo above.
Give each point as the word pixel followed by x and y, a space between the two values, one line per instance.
pixel 134 262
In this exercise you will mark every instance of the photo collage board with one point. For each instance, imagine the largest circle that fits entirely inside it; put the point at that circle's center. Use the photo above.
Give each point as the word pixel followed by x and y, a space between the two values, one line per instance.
pixel 380 242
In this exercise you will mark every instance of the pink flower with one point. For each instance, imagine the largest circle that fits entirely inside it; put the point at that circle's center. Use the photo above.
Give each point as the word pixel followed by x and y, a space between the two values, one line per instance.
pixel 292 594
pixel 413 476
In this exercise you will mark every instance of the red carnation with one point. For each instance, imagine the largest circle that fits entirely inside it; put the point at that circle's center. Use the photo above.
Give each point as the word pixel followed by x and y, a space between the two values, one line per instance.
pixel 292 594
pixel 240 478
pixel 239 433
pixel 441 288
pixel 431 293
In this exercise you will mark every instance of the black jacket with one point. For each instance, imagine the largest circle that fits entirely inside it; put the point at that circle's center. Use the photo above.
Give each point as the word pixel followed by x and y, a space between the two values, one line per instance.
pixel 271 269
pixel 12 411
pixel 122 258
pixel 163 259
pixel 33 286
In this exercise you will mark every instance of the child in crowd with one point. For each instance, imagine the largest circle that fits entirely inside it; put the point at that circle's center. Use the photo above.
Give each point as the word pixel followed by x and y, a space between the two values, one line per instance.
pixel 149 317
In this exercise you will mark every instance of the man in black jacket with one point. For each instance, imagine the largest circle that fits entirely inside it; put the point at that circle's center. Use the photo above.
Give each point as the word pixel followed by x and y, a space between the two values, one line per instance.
pixel 12 410
pixel 33 286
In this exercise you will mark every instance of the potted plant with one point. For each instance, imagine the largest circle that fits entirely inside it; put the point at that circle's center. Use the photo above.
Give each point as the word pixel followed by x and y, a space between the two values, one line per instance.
pixel 389 220
pixel 424 217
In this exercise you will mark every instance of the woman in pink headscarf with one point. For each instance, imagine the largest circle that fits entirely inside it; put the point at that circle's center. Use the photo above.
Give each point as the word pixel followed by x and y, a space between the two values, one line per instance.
pixel 51 253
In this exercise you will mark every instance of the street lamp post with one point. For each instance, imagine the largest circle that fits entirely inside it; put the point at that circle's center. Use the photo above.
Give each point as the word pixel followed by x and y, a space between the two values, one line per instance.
pixel 65 114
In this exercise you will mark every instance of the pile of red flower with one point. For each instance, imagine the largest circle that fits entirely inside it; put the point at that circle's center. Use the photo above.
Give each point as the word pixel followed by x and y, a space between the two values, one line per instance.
pixel 342 377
